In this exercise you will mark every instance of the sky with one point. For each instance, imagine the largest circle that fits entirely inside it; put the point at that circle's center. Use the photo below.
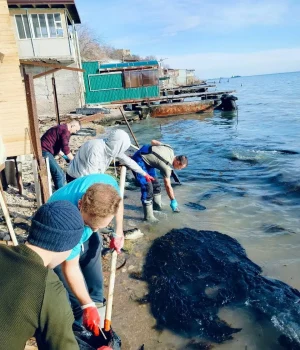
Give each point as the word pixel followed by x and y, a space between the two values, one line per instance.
pixel 217 38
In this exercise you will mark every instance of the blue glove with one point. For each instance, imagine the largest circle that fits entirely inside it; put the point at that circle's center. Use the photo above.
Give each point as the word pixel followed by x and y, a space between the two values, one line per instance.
pixel 174 204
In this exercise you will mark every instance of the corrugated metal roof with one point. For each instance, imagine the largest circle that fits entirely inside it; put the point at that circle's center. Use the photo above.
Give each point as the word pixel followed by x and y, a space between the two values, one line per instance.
pixel 68 4
pixel 128 64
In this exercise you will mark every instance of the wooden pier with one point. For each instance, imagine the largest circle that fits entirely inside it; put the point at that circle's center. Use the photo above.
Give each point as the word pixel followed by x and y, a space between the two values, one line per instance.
pixel 203 96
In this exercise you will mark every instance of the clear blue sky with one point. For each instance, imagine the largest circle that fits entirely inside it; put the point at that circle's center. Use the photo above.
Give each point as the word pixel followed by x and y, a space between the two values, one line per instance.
pixel 215 37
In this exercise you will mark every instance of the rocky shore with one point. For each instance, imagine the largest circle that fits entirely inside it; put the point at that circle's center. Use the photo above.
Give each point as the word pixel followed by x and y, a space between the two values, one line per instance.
pixel 130 312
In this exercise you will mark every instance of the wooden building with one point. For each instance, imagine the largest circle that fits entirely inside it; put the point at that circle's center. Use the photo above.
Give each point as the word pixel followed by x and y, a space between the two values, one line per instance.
pixel 13 108
pixel 45 31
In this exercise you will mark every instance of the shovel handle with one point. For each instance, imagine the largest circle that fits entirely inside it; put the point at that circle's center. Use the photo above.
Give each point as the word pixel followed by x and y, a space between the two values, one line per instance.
pixel 7 218
pixel 113 265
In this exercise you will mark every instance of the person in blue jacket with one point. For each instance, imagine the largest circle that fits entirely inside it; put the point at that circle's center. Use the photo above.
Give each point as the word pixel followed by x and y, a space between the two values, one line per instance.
pixel 98 200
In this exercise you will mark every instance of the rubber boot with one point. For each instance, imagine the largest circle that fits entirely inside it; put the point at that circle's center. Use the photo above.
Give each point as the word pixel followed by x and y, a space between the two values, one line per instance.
pixel 157 202
pixel 148 213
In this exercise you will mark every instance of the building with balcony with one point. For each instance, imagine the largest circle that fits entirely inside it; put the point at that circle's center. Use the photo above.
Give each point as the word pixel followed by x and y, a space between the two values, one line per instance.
pixel 45 32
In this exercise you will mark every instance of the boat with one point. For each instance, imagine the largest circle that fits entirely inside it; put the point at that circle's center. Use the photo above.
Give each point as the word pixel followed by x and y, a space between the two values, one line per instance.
pixel 179 108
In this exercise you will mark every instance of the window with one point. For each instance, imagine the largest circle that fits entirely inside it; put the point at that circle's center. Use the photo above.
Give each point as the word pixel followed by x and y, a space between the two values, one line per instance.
pixel 55 25
pixel 23 26
pixel 150 77
pixel 41 25
pixel 135 79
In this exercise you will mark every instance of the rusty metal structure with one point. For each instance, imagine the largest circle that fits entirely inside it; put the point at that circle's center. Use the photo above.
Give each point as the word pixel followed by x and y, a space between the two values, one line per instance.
pixel 171 109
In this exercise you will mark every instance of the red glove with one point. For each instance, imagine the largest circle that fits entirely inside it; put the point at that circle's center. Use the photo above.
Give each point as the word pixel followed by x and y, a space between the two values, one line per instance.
pixel 117 243
pixel 91 320
pixel 149 178
pixel 105 348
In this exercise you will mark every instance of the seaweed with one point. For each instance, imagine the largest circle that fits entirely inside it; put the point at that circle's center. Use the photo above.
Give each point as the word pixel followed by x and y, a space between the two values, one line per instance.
pixel 192 274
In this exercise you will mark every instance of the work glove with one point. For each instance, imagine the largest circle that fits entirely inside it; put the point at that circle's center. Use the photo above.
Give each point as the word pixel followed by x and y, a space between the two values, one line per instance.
pixel 105 348
pixel 174 205
pixel 91 318
pixel 149 178
pixel 117 243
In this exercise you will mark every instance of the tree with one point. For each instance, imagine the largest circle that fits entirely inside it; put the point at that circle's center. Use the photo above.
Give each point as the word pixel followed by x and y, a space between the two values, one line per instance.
pixel 93 48
pixel 90 45
pixel 150 58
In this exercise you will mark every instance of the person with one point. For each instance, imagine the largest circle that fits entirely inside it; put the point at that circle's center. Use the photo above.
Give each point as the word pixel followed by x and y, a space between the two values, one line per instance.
pixel 95 156
pixel 29 286
pixel 97 197
pixel 55 142
pixel 157 156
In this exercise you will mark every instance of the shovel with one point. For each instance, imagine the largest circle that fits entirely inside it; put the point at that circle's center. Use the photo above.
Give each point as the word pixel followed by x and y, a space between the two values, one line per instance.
pixel 107 336
pixel 113 266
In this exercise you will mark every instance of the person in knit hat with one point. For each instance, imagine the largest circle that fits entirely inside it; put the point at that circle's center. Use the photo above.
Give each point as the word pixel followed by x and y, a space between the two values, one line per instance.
pixel 33 300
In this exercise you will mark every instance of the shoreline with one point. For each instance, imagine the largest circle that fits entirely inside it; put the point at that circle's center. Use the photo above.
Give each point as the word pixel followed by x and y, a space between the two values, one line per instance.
pixel 127 312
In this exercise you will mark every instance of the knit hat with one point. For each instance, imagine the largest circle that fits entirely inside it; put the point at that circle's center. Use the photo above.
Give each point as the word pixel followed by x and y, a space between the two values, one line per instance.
pixel 56 226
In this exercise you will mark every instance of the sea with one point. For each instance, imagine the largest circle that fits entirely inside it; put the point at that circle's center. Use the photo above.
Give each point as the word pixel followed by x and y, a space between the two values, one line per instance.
pixel 243 179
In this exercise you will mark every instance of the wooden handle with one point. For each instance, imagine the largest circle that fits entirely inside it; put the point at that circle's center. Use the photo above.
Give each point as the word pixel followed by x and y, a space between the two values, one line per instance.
pixel 135 147
pixel 113 265
pixel 7 219
pixel 132 134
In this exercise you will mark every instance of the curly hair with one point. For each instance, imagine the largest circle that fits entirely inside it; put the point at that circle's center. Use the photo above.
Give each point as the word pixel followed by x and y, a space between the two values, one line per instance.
pixel 100 201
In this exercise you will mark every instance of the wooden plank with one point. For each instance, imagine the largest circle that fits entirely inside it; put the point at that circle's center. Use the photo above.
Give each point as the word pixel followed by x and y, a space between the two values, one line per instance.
pixel 35 135
pixel 50 65
pixel 46 73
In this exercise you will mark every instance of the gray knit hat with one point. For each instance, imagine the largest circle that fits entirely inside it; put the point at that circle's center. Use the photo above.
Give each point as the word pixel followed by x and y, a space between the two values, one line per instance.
pixel 56 226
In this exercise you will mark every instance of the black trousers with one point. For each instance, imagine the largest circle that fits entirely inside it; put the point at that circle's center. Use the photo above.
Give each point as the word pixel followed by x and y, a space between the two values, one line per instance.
pixel 69 178
pixel 91 267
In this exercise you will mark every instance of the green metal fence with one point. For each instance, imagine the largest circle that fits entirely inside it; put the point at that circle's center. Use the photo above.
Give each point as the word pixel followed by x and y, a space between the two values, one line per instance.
pixel 105 88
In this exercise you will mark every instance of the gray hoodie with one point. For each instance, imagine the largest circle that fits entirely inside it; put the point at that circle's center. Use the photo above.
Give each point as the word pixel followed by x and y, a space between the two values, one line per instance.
pixel 95 156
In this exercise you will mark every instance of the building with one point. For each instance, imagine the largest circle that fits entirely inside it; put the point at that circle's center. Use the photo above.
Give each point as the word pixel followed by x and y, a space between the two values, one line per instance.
pixel 109 82
pixel 178 77
pixel 45 32
pixel 13 107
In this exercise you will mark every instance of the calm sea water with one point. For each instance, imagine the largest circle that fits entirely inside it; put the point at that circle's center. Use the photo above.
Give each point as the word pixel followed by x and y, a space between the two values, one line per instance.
pixel 245 169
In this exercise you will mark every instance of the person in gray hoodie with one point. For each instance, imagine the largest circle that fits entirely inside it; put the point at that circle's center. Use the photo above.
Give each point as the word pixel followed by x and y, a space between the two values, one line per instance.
pixel 95 156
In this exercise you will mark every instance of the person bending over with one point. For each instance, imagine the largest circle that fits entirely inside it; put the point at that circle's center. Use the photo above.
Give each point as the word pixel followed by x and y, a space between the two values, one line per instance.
pixel 56 141
pixel 151 157
pixel 98 199
pixel 95 156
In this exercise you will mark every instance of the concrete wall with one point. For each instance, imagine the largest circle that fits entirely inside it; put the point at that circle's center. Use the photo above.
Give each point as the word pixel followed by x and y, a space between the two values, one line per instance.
pixel 68 89
pixel 55 48
pixel 181 78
